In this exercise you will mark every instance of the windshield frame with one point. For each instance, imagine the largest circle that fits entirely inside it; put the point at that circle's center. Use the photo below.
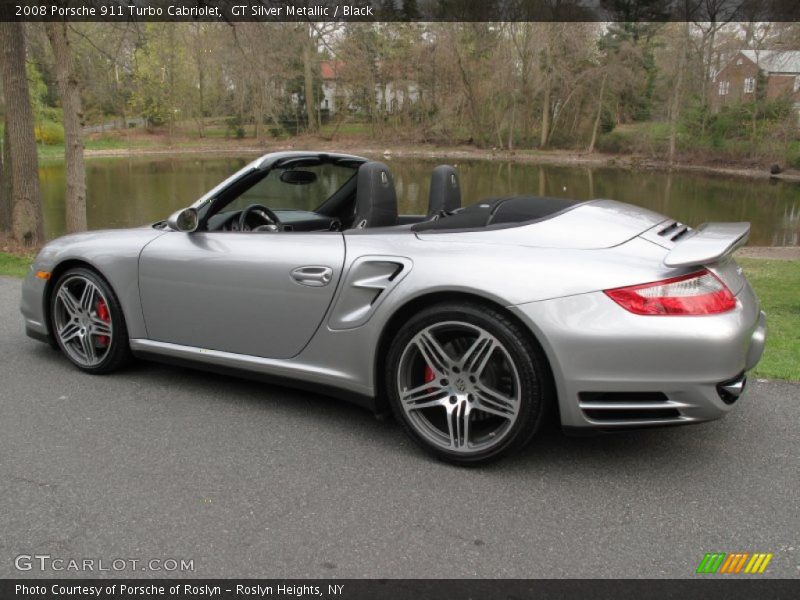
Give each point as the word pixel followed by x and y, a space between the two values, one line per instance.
pixel 219 197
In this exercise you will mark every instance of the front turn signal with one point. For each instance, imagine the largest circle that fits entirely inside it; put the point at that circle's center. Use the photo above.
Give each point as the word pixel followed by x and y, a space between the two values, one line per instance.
pixel 43 275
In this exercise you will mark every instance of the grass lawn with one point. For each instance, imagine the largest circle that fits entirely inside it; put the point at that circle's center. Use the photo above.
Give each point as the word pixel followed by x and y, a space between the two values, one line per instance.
pixel 777 283
pixel 56 152
pixel 12 265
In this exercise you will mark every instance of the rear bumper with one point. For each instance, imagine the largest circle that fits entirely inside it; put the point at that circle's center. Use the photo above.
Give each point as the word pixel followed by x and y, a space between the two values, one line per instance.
pixel 614 369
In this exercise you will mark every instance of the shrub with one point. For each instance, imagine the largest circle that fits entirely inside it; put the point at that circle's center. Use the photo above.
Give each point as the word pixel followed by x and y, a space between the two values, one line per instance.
pixel 233 125
pixel 614 142
pixel 50 133
pixel 793 155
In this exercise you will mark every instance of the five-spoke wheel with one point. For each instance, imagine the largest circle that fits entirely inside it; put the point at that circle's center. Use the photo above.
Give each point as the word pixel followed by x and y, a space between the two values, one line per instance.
pixel 466 381
pixel 87 322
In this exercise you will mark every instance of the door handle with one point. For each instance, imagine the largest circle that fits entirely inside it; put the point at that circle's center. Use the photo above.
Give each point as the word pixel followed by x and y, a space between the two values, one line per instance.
pixel 313 276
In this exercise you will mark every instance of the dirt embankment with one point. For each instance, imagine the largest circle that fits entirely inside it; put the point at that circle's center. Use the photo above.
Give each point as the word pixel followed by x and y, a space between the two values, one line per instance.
pixel 770 253
pixel 373 149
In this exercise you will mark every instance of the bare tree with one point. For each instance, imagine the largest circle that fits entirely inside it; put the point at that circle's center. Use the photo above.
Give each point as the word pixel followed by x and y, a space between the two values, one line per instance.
pixel 547 71
pixel 677 93
pixel 26 205
pixel 70 92
pixel 310 63
pixel 5 185
pixel 599 114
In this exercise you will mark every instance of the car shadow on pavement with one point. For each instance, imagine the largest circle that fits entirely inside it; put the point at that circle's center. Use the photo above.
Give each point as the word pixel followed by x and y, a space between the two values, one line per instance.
pixel 657 449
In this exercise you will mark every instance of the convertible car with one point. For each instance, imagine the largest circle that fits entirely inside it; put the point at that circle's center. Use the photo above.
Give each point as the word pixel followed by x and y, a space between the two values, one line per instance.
pixel 467 323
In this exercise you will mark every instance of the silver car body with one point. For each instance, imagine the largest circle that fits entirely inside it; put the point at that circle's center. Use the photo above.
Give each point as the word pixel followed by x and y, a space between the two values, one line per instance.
pixel 231 300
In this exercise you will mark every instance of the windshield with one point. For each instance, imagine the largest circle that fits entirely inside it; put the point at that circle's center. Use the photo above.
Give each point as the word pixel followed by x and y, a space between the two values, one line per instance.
pixel 305 188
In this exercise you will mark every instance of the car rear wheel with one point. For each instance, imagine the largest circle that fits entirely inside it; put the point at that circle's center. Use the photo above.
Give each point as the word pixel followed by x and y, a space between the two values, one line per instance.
pixel 467 383
pixel 87 322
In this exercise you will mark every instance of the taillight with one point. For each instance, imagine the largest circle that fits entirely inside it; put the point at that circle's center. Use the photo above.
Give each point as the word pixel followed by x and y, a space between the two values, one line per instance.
pixel 700 293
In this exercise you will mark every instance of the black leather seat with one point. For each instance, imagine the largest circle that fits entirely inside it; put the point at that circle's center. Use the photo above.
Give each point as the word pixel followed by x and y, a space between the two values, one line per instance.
pixel 445 192
pixel 376 200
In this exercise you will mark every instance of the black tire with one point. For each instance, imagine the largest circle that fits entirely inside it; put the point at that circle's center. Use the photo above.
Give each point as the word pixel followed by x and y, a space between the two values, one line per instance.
pixel 528 359
pixel 118 352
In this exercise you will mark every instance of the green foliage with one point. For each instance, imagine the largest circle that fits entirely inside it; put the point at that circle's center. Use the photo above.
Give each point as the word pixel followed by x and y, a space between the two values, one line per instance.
pixel 38 91
pixel 607 121
pixel 793 155
pixel 160 76
pixel 635 138
pixel 50 133
pixel 615 142
pixel 234 126
pixel 46 118
pixel 738 129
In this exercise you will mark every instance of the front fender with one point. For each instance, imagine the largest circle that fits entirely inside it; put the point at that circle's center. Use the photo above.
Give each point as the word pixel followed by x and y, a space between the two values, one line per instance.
pixel 113 253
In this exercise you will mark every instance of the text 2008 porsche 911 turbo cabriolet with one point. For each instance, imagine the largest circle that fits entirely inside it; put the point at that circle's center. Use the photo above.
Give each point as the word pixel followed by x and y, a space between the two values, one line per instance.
pixel 467 323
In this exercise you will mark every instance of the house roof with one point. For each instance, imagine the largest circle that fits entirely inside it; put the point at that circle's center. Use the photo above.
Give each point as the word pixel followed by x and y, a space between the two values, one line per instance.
pixel 774 61
pixel 329 69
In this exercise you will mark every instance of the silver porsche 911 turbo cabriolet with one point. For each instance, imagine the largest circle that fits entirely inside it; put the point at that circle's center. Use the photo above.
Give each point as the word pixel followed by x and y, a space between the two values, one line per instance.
pixel 466 323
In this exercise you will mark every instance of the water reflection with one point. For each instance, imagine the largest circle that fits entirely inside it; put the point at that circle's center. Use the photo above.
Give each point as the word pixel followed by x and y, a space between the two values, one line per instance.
pixel 124 192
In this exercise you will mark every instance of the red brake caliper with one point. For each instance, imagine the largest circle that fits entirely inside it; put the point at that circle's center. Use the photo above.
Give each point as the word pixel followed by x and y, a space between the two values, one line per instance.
pixel 102 312
pixel 429 375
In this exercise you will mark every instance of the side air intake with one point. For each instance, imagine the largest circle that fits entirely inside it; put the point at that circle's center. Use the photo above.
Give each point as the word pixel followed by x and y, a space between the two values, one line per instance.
pixel 369 280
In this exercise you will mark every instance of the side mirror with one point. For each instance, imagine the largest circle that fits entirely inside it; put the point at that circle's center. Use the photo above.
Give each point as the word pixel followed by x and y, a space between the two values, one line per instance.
pixel 184 220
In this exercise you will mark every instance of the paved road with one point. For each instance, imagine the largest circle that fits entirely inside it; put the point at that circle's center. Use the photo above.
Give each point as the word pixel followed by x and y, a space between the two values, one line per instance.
pixel 259 481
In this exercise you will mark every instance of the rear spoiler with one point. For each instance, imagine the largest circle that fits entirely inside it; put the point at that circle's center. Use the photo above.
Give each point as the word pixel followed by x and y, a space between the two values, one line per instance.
pixel 709 243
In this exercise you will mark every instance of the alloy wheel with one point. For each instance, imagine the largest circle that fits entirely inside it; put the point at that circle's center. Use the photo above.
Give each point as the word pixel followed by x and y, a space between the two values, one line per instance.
pixel 459 387
pixel 82 321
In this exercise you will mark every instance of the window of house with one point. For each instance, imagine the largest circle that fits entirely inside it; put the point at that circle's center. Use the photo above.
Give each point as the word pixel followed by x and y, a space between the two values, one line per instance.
pixel 796 86
pixel 749 85
pixel 738 62
pixel 724 88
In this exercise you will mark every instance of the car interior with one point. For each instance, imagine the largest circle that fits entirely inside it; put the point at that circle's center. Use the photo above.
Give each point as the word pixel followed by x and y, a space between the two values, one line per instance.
pixel 337 194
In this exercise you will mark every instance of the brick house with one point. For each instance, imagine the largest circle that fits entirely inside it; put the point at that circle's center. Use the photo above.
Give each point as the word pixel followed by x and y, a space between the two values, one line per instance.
pixel 738 79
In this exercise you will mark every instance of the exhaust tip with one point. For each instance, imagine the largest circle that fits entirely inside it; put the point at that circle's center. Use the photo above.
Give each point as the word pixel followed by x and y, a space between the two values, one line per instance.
pixel 729 391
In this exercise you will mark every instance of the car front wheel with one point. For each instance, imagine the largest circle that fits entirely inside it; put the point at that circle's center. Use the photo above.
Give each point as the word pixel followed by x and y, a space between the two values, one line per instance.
pixel 467 382
pixel 87 322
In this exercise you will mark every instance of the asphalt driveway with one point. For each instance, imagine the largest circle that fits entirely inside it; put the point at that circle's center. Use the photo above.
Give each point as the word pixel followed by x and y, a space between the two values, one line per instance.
pixel 250 480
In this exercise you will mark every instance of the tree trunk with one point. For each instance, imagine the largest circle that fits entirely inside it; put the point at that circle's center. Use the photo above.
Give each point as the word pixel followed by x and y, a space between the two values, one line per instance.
pixel 545 135
pixel 599 113
pixel 309 53
pixel 676 98
pixel 5 186
pixel 171 91
pixel 69 90
pixel 199 49
pixel 26 203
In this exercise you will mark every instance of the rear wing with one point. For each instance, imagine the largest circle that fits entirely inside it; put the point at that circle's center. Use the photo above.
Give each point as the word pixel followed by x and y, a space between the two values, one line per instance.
pixel 709 243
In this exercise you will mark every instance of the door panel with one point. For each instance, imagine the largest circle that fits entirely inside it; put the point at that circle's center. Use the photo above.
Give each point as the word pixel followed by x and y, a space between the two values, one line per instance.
pixel 236 292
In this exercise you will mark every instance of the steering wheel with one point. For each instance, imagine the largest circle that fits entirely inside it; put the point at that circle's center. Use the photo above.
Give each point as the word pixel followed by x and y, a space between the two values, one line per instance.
pixel 271 220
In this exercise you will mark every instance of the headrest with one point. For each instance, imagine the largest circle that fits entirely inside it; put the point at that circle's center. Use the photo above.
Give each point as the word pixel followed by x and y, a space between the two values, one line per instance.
pixel 376 200
pixel 445 192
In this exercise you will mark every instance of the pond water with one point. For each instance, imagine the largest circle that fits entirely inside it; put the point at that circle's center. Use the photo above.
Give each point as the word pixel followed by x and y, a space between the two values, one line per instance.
pixel 126 192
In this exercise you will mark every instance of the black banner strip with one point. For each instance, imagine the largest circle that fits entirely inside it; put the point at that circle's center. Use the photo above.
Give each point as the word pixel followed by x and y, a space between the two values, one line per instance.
pixel 719 11
pixel 733 588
